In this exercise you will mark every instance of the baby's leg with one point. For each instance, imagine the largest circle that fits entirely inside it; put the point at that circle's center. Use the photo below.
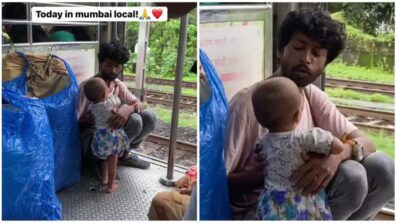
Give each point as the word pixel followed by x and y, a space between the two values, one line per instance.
pixel 112 165
pixel 105 173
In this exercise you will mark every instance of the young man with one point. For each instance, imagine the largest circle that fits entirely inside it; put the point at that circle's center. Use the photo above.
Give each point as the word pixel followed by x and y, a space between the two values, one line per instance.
pixel 138 123
pixel 358 181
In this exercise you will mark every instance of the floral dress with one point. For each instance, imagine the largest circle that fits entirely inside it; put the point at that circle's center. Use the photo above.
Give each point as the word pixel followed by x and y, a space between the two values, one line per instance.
pixel 279 201
pixel 107 141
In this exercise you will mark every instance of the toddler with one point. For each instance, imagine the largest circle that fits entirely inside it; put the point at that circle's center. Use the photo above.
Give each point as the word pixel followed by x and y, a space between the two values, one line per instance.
pixel 277 104
pixel 107 143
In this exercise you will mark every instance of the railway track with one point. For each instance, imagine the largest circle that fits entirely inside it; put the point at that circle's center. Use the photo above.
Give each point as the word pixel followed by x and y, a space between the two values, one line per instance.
pixel 361 86
pixel 374 120
pixel 160 81
pixel 166 99
pixel 181 145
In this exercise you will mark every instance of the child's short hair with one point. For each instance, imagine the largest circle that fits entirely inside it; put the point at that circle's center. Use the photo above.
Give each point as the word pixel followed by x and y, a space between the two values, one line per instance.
pixel 94 88
pixel 274 100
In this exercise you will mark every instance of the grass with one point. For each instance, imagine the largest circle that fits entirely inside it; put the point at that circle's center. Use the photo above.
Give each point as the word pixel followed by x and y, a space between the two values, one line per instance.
pixel 170 89
pixel 383 142
pixel 190 78
pixel 186 119
pixel 350 94
pixel 340 70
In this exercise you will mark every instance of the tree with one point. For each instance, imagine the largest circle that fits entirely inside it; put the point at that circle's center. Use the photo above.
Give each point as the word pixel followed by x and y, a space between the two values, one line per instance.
pixel 163 43
pixel 373 18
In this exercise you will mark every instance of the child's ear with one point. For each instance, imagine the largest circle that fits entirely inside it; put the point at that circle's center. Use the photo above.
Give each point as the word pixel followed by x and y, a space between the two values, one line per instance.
pixel 296 116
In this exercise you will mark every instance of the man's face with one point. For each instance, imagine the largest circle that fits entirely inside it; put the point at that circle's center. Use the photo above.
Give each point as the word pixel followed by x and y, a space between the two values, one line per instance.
pixel 302 59
pixel 110 69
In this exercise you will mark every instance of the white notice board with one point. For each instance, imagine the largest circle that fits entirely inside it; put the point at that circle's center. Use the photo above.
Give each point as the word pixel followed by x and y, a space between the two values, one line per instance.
pixel 238 49
pixel 82 62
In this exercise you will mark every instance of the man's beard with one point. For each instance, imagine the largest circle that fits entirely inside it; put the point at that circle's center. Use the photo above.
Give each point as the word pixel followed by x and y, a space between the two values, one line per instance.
pixel 109 77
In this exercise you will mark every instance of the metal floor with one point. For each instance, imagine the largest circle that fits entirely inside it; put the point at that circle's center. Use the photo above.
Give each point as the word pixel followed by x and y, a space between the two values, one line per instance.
pixel 87 199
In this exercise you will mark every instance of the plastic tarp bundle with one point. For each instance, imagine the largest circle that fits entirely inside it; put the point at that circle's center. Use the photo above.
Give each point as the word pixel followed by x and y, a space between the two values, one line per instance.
pixel 214 197
pixel 60 111
pixel 28 161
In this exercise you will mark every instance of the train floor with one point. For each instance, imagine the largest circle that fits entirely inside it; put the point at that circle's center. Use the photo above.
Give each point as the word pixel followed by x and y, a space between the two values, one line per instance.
pixel 87 200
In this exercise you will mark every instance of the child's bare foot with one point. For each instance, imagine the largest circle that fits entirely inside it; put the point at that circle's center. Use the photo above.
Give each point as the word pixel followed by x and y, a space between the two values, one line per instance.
pixel 112 187
pixel 104 180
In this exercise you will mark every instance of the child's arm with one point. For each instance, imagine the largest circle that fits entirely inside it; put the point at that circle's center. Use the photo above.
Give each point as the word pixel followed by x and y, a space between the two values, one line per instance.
pixel 320 141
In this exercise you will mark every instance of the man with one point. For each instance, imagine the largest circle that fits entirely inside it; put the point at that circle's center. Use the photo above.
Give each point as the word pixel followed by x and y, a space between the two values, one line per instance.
pixel 358 181
pixel 138 123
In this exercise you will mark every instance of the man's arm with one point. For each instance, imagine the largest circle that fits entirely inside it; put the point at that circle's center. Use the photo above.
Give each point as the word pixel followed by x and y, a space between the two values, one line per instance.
pixel 85 118
pixel 248 180
pixel 132 103
pixel 239 146
pixel 318 170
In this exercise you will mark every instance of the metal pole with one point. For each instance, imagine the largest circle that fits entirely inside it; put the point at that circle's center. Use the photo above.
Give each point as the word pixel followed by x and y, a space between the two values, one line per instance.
pixel 29 27
pixel 169 180
pixel 142 45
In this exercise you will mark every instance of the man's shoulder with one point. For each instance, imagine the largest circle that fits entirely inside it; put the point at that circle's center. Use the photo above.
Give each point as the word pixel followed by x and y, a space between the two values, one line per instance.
pixel 243 96
pixel 313 92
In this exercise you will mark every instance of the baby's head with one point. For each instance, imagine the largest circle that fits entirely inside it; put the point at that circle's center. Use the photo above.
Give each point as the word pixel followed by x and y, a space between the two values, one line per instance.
pixel 277 103
pixel 95 90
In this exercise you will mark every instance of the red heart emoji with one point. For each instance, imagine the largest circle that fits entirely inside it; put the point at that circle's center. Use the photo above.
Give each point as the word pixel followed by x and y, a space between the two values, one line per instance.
pixel 157 13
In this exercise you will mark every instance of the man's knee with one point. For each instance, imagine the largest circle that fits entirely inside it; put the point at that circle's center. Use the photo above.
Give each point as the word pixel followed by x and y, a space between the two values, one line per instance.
pixel 149 119
pixel 352 179
pixel 134 123
pixel 381 169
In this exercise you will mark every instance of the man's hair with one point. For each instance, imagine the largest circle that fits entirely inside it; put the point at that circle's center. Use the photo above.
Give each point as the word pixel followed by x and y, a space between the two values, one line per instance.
pixel 114 51
pixel 317 25
pixel 94 88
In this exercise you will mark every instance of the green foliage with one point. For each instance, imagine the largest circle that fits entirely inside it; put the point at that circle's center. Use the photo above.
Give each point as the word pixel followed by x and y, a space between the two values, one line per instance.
pixel 131 36
pixel 343 71
pixel 129 67
pixel 359 38
pixel 350 94
pixel 163 44
pixel 373 18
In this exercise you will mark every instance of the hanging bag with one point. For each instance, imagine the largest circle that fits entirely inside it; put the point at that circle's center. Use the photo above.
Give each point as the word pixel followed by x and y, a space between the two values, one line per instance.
pixel 61 112
pixel 28 186
pixel 214 202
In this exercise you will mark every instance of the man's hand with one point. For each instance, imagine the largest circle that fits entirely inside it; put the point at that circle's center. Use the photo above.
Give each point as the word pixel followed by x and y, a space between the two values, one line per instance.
pixel 252 178
pixel 116 121
pixel 316 173
pixel 139 106
pixel 260 161
pixel 87 120
pixel 256 174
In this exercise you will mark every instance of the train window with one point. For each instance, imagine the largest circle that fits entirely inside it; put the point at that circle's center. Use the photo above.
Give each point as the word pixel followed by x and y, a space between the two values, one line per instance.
pixel 18 27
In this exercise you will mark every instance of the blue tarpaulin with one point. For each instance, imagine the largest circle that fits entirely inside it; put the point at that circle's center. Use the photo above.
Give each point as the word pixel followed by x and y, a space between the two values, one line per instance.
pixel 214 197
pixel 58 115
